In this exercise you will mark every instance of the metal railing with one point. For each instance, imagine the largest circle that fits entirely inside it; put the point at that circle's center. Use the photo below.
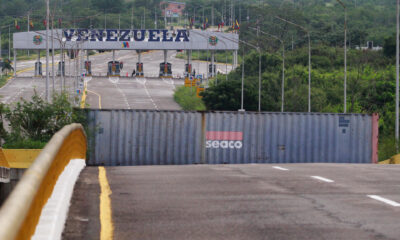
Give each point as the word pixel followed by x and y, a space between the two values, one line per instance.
pixel 21 211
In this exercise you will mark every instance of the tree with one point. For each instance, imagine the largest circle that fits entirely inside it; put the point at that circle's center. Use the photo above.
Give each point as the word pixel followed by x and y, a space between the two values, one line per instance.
pixel 7 66
pixel 389 47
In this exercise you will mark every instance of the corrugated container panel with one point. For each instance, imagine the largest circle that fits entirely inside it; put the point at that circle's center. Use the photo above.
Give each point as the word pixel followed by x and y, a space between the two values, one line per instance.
pixel 289 138
pixel 144 137
pixel 140 137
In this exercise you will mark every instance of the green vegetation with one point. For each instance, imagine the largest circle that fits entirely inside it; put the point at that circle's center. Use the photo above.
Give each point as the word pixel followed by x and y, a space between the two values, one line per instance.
pixel 32 123
pixel 3 80
pixel 220 57
pixel 371 74
pixel 186 98
pixel 370 86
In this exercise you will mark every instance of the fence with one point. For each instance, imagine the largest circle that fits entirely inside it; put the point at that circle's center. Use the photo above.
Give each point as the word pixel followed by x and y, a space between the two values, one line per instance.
pixel 144 137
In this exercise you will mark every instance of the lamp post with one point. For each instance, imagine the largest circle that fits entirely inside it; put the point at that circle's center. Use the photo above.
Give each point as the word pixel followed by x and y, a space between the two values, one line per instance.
pixel 259 68
pixel 259 64
pixel 397 75
pixel 283 65
pixel 309 57
pixel 47 51
pixel 345 57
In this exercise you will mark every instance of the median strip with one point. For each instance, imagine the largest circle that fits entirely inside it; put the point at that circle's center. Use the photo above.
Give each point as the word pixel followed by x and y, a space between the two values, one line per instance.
pixel 323 179
pixel 384 200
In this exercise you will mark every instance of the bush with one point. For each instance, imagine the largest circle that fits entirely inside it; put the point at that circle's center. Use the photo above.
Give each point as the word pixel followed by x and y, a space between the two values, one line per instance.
pixel 33 123
pixel 187 99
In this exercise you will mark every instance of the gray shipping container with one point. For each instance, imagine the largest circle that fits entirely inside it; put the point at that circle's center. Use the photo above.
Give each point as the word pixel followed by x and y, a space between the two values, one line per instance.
pixel 144 137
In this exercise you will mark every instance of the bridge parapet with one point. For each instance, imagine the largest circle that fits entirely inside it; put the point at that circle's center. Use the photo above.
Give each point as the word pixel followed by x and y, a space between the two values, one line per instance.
pixel 20 213
pixel 4 169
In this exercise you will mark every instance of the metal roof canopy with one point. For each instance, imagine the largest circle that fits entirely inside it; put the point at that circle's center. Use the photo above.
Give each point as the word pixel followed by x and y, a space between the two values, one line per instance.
pixel 126 39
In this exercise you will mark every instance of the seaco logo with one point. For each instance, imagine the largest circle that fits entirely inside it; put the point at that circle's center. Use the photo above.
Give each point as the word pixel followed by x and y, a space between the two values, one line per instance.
pixel 224 139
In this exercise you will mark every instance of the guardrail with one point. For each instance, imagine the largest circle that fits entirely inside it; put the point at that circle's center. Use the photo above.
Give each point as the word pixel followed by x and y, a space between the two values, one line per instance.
pixel 20 213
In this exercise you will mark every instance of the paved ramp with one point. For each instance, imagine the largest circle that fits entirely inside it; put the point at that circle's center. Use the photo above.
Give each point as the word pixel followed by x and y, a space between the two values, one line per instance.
pixel 132 93
pixel 294 201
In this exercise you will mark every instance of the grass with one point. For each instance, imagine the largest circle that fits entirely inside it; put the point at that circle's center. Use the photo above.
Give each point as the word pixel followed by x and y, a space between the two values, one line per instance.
pixel 187 99
pixel 387 147
pixel 24 144
pixel 4 79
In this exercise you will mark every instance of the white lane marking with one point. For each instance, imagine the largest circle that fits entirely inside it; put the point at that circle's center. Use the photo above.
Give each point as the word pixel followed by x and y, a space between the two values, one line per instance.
pixel 123 96
pixel 385 200
pixel 280 168
pixel 141 80
pixel 323 179
pixel 148 94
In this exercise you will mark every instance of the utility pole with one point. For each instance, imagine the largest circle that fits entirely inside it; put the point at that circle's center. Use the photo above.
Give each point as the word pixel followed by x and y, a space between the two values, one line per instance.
pixel 397 75
pixel 28 28
pixel 309 57
pixel 1 72
pixel 212 14
pixel 242 92
pixel 144 18
pixel 132 20
pixel 105 20
pixel 155 18
pixel 9 42
pixel 345 57
pixel 52 54
pixel 47 50
pixel 165 15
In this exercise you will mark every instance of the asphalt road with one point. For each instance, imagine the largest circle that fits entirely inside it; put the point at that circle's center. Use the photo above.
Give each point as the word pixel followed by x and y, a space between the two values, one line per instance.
pixel 132 93
pixel 150 92
pixel 293 201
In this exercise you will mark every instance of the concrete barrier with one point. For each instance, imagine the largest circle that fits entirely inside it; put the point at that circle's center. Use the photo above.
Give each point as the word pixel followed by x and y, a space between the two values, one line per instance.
pixel 4 171
pixel 20 213
pixel 20 158
pixel 393 160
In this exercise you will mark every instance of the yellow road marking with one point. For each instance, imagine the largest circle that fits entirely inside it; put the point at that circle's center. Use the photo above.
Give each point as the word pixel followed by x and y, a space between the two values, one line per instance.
pixel 83 100
pixel 107 227
pixel 25 69
pixel 97 95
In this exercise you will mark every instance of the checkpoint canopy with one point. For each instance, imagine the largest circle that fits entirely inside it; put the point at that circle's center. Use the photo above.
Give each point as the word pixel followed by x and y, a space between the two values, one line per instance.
pixel 127 39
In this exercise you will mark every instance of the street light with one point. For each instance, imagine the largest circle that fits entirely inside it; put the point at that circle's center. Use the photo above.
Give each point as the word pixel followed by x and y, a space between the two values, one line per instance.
pixel 345 56
pixel 47 51
pixel 397 75
pixel 309 58
pixel 259 66
pixel 283 65
pixel 259 69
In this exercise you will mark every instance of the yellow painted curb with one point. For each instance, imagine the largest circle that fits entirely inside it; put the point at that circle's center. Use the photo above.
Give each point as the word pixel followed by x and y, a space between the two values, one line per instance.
pixel 3 161
pixel 384 162
pixel 21 158
pixel 393 160
pixel 83 100
pixel 20 213
pixel 106 223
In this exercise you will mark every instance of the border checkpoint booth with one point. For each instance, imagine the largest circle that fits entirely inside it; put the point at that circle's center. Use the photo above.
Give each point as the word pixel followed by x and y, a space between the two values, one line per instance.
pixel 127 39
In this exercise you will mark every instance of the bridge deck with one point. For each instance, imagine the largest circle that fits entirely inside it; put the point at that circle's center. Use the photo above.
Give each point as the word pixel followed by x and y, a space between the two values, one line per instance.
pixel 240 202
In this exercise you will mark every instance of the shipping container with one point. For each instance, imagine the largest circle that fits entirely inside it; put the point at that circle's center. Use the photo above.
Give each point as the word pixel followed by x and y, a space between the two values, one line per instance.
pixel 145 137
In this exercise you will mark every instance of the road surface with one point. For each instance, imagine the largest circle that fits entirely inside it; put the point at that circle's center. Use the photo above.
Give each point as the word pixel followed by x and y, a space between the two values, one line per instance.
pixel 150 92
pixel 292 201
